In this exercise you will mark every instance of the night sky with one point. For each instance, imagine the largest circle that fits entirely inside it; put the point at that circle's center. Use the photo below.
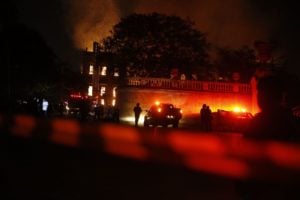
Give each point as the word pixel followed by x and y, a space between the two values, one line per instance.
pixel 68 25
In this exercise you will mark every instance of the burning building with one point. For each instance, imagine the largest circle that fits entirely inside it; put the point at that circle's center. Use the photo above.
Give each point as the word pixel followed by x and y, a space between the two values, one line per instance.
pixel 103 78
pixel 108 87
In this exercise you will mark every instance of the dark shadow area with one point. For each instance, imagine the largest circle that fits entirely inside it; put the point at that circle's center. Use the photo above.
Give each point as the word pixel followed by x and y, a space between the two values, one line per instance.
pixel 34 170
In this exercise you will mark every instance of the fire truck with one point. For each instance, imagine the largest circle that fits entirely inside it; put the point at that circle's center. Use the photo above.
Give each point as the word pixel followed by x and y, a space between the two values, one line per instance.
pixel 77 106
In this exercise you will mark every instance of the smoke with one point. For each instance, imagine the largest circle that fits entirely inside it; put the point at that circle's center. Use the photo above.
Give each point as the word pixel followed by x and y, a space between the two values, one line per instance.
pixel 230 23
pixel 90 20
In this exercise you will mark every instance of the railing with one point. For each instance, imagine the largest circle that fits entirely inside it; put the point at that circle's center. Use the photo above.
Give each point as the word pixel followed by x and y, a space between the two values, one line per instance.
pixel 189 85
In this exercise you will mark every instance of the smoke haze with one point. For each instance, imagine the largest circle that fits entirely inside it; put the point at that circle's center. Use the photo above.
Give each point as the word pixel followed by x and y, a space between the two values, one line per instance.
pixel 229 23
pixel 90 20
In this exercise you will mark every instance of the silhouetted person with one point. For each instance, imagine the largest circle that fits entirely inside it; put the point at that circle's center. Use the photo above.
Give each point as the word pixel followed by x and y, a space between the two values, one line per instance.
pixel 274 122
pixel 137 112
pixel 84 108
pixel 50 110
pixel 116 115
pixel 205 118
pixel 61 109
pixel 32 107
pixel 97 113
pixel 208 118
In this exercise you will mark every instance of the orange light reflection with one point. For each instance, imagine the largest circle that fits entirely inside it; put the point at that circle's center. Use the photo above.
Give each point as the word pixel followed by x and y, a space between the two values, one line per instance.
pixel 65 132
pixel 24 126
pixel 123 141
pixel 184 143
pixel 287 155
pixel 220 166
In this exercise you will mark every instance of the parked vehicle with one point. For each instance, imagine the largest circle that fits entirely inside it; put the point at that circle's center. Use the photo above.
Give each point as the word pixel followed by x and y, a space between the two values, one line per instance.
pixel 231 121
pixel 163 114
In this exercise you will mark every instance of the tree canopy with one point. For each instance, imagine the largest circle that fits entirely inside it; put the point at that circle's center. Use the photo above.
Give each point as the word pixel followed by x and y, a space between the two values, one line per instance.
pixel 242 60
pixel 154 44
pixel 30 68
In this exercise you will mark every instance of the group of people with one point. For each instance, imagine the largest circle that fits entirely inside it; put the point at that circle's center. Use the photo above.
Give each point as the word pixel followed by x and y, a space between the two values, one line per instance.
pixel 206 118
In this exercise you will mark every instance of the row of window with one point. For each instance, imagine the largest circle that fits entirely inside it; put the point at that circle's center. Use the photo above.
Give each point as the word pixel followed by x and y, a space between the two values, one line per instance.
pixel 103 71
pixel 104 103
pixel 102 91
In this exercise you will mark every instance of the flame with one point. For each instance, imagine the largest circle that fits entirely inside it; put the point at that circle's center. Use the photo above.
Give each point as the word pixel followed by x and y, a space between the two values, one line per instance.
pixel 239 109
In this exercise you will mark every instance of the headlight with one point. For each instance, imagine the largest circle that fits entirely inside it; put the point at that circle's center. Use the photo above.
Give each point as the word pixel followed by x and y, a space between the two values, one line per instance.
pixel 170 116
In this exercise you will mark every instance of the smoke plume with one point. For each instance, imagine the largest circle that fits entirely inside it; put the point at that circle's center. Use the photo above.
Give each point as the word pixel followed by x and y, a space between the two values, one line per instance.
pixel 229 23
pixel 90 20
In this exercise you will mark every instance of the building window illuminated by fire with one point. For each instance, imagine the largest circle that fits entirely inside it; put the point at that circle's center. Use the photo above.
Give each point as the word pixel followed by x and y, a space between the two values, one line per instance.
pixel 102 102
pixel 116 72
pixel 91 70
pixel 103 77
pixel 103 71
pixel 90 91
pixel 102 91
pixel 113 102
pixel 114 92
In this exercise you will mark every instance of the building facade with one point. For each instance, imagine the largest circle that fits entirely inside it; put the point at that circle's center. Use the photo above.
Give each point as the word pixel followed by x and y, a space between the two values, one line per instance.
pixel 107 87
pixel 103 79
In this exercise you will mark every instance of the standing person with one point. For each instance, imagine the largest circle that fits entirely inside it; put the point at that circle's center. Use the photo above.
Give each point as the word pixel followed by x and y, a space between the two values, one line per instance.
pixel 203 117
pixel 84 109
pixel 97 113
pixel 274 122
pixel 208 118
pixel 137 112
pixel 61 109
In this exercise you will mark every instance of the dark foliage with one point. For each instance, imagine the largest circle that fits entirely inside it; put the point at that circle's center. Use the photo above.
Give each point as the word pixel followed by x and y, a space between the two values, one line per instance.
pixel 155 43
pixel 29 67
pixel 241 60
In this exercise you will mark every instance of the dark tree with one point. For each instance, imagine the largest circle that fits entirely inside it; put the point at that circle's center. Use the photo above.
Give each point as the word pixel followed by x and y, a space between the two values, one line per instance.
pixel 153 44
pixel 29 67
pixel 241 60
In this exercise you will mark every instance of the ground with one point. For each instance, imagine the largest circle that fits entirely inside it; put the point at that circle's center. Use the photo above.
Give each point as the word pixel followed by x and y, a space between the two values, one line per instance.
pixel 39 169
pixel 33 170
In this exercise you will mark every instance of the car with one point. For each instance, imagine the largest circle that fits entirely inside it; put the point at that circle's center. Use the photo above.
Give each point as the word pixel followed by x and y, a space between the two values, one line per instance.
pixel 163 114
pixel 231 120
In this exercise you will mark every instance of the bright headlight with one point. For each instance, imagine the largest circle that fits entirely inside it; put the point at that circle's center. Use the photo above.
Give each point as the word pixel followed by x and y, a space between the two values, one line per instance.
pixel 170 116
